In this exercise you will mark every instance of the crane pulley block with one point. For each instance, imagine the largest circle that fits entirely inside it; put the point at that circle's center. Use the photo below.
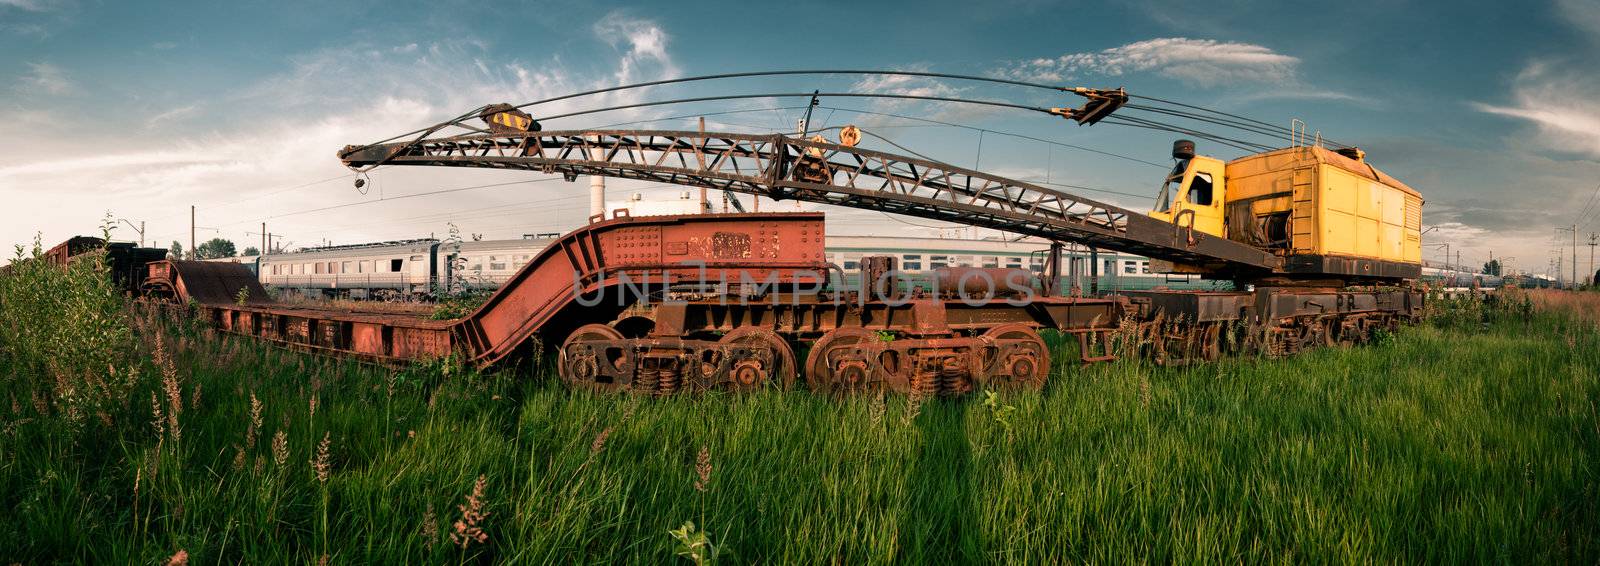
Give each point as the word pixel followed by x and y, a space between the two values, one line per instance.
pixel 1101 103
pixel 505 118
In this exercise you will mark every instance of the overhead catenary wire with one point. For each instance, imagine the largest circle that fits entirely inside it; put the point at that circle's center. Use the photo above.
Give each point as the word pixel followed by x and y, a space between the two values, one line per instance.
pixel 1234 120
pixel 1587 206
pixel 995 103
pixel 1000 132
pixel 395 198
pixel 1155 125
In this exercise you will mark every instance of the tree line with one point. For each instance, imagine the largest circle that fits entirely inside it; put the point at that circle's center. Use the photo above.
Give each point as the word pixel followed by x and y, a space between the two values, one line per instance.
pixel 211 249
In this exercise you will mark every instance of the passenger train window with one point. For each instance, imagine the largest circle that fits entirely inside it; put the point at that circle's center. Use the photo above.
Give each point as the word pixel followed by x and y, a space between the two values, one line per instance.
pixel 396 264
pixel 344 267
pixel 497 267
pixel 1144 267
pixel 1014 262
pixel 1130 267
pixel 991 261
pixel 911 262
pixel 938 261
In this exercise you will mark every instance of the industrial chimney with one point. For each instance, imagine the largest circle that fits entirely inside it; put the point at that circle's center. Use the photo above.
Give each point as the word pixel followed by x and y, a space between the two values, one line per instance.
pixel 597 195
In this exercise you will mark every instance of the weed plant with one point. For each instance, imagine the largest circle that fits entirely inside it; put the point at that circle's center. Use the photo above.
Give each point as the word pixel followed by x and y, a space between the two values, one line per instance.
pixel 131 438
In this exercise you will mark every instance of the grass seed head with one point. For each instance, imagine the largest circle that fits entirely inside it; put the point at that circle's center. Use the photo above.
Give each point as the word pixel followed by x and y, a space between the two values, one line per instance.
pixel 702 468
pixel 157 420
pixel 319 464
pixel 430 528
pixel 280 448
pixel 599 441
pixel 255 422
pixel 469 528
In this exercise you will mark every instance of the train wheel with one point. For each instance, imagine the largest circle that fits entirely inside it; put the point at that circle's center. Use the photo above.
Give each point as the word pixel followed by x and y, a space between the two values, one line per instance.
pixel 1209 338
pixel 588 358
pixel 1017 356
pixel 840 362
pixel 1347 331
pixel 753 370
pixel 1327 332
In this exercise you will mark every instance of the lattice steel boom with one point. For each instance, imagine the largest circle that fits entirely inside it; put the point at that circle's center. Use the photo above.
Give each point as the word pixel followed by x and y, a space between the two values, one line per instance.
pixel 781 167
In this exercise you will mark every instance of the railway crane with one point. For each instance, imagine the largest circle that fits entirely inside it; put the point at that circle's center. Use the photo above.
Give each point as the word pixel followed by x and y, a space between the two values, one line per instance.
pixel 1321 247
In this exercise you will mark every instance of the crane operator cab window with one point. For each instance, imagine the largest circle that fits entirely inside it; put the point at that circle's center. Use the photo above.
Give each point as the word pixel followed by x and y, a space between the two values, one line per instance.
pixel 1192 194
pixel 1200 190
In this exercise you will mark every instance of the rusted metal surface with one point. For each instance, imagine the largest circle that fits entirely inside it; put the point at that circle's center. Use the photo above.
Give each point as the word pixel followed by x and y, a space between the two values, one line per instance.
pixel 124 260
pixel 204 282
pixel 587 275
pixel 669 304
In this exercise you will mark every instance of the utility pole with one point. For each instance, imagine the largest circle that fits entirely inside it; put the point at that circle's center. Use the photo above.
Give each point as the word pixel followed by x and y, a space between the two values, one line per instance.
pixel 191 232
pixel 140 228
pixel 1594 240
pixel 263 237
pixel 1574 230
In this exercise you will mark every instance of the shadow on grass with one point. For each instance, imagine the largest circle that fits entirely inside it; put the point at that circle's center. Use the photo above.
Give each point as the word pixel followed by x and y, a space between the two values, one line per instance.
pixel 941 522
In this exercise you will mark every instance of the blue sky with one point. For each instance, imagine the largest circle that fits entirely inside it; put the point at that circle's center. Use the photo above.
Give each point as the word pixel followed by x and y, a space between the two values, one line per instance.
pixel 1488 108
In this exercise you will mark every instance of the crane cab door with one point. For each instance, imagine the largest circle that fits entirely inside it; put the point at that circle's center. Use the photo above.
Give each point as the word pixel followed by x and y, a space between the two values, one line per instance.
pixel 1193 196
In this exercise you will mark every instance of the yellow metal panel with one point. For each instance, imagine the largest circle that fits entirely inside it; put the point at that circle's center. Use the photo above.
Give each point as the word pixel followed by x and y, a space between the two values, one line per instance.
pixel 1413 248
pixel 1393 242
pixel 1339 190
pixel 1368 194
pixel 1394 207
pixel 1366 237
pixel 1337 229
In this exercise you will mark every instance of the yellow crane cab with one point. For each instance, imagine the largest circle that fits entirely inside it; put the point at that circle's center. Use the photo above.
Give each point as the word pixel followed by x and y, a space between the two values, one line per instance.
pixel 1192 195
pixel 1325 212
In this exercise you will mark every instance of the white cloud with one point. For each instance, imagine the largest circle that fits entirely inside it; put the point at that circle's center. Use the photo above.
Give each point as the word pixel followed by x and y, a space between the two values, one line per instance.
pixel 28 5
pixel 1202 62
pixel 1560 103
pixel 1582 14
pixel 45 78
pixel 644 43
pixel 175 114
pixel 917 86
pixel 234 155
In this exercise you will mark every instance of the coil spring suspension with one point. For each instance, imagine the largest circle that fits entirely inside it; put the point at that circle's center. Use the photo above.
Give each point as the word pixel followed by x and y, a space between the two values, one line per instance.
pixel 925 382
pixel 668 381
pixel 647 381
pixel 954 378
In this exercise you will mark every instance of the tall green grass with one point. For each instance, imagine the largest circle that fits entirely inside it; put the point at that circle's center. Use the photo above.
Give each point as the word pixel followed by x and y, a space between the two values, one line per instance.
pixel 1469 439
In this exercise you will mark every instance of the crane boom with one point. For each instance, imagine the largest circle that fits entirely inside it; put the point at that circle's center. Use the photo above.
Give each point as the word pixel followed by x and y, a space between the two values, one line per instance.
pixel 781 167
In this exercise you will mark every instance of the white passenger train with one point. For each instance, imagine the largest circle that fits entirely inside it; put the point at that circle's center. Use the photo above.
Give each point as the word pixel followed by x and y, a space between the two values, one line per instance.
pixel 420 268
